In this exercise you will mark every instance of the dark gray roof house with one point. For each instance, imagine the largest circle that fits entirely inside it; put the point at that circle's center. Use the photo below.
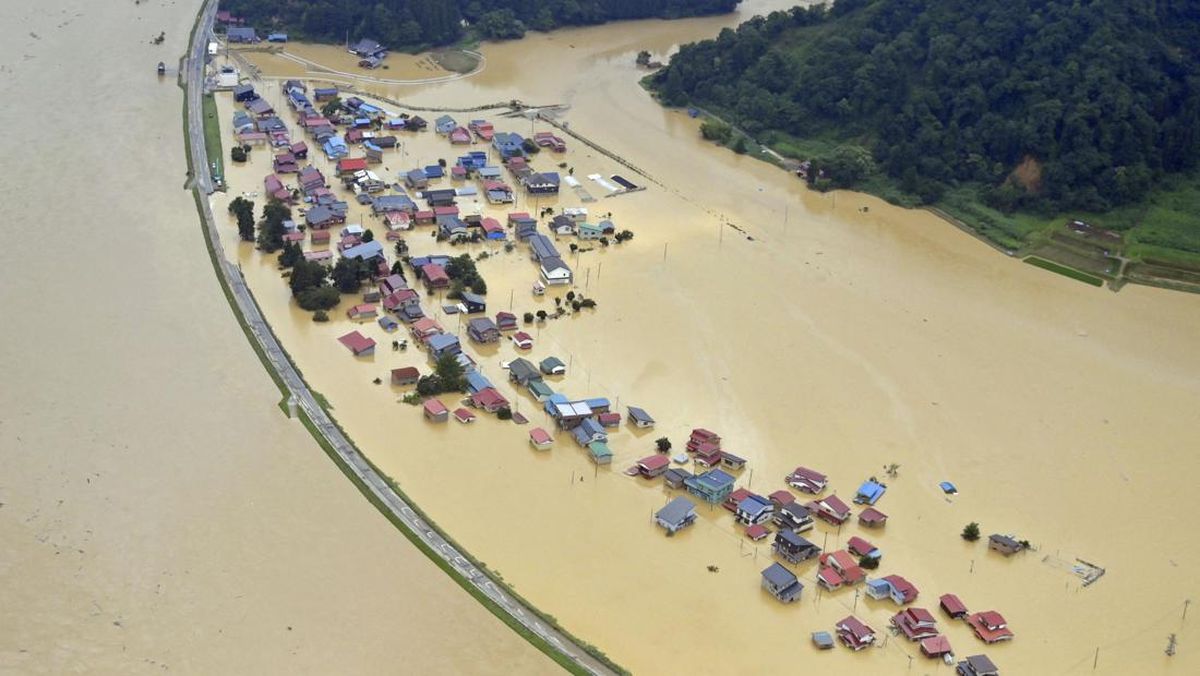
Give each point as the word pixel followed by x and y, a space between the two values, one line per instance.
pixel 522 371
pixel 676 515
pixel 1004 544
pixel 781 583
pixel 639 417
pixel 675 477
pixel 367 47
pixel 552 366
pixel 542 248
pixel 977 665
pixel 243 34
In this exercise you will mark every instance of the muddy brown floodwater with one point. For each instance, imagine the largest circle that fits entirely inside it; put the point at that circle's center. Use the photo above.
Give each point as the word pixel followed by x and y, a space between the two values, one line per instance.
pixel 845 336
pixel 157 511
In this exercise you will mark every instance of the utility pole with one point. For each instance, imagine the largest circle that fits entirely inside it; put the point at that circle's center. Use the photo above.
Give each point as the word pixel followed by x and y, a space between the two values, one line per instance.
pixel 1170 645
pixel 1096 661
pixel 1186 603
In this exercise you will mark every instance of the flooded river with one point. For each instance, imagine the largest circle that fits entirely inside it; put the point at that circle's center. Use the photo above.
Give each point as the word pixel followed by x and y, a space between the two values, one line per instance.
pixel 838 333
pixel 158 513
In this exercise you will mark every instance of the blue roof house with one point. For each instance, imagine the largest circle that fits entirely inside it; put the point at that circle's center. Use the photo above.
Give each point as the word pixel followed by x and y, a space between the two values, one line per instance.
pixel 754 509
pixel 335 148
pixel 869 492
pixel 477 381
pixel 508 144
pixel 444 124
pixel 443 343
pixel 713 486
pixel 589 431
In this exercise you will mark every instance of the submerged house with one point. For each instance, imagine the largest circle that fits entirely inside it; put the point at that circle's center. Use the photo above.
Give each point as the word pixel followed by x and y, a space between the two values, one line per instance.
pixel 854 633
pixel 869 492
pixel 781 583
pixel 833 510
pixel 793 548
pixel 483 330
pixel 638 416
pixel 794 517
pixel 712 486
pixel 807 480
pixel 653 465
pixel 977 665
pixel 676 515
pixel 990 626
pixel 753 510
pixel 1004 544
pixel 915 623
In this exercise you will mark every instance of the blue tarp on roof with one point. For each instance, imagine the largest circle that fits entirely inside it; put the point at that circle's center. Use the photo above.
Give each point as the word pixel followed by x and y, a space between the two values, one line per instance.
pixel 947 487
pixel 869 492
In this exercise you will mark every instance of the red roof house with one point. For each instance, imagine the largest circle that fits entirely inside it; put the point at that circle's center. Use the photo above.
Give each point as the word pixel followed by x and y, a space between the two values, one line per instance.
pixel 854 633
pixel 359 344
pixel 540 438
pixel 807 480
pixel 435 410
pixel 522 340
pixel 872 518
pixel 736 498
pixel 859 546
pixel 406 375
pixel 489 399
pixel 990 626
pixel 319 236
pixel 915 623
pixel 833 510
pixel 363 311
pixel 653 465
pixel 936 646
pixel 464 416
pixel 781 498
pixel 846 566
pixel 349 165
pixel 609 419
pixel 435 276
pixel 953 606
pixel 757 532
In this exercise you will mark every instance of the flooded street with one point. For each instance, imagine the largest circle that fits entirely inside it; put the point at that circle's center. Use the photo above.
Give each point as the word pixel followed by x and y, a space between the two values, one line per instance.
pixel 845 336
pixel 157 511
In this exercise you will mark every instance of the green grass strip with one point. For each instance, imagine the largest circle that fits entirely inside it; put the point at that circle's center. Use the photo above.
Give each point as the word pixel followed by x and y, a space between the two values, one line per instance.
pixel 1065 271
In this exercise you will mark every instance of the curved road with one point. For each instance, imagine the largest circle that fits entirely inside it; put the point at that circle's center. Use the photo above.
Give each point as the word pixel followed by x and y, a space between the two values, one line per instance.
pixel 347 453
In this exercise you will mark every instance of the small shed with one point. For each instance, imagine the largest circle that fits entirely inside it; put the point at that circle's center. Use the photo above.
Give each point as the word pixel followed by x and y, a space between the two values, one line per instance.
pixel 872 518
pixel 464 416
pixel 823 640
pixel 552 366
pixel 540 438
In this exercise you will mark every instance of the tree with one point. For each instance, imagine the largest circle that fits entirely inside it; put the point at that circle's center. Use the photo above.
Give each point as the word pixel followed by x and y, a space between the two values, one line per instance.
pixel 291 254
pixel 970 532
pixel 349 273
pixel 428 386
pixel 530 147
pixel 307 275
pixel 270 229
pixel 243 210
pixel 479 286
pixel 623 236
pixel 319 298
pixel 332 107
pixel 739 145
pixel 541 315
pixel 505 413
pixel 713 129
pixel 570 295
pixel 450 373
pixel 643 58
pixel 237 154
pixel 529 317
pixel 368 236
pixel 663 444
pixel 320 316
pixel 868 562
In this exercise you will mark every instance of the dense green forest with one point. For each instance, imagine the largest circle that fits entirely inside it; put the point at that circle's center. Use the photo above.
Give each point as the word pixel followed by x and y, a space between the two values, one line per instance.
pixel 406 24
pixel 1040 106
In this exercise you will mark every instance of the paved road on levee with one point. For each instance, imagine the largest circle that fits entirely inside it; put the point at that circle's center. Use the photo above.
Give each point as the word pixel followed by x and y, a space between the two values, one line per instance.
pixel 349 455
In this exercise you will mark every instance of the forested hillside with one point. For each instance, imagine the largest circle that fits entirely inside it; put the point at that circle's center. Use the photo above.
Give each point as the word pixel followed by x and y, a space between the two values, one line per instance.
pixel 1042 105
pixel 402 24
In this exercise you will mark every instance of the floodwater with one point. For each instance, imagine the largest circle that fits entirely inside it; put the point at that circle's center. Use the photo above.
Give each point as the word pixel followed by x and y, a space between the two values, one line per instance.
pixel 157 510
pixel 845 336
pixel 335 59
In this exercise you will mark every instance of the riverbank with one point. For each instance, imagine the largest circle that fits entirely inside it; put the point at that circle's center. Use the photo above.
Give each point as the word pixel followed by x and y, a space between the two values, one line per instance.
pixel 1136 254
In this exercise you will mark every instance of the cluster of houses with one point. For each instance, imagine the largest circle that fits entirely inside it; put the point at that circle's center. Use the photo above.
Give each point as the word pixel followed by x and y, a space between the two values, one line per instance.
pixel 834 570
pixel 237 32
